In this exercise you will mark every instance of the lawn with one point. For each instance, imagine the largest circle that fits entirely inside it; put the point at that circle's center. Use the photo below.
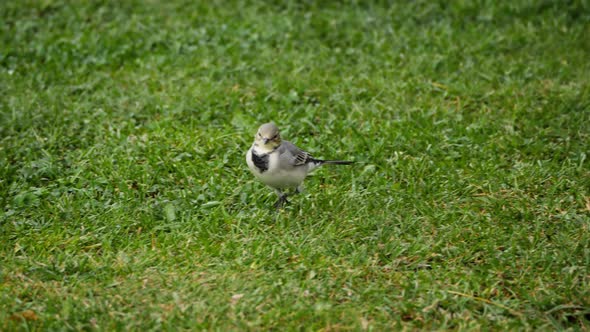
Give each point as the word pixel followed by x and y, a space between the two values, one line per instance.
pixel 126 202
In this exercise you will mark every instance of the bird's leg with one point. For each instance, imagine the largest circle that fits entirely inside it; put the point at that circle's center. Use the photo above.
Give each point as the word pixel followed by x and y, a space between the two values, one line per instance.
pixel 299 189
pixel 282 199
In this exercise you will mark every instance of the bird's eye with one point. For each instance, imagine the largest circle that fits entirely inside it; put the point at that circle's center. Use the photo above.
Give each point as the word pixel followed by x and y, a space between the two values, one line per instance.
pixel 259 135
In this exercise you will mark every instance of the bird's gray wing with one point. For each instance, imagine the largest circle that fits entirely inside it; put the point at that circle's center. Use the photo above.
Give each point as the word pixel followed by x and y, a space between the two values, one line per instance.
pixel 291 155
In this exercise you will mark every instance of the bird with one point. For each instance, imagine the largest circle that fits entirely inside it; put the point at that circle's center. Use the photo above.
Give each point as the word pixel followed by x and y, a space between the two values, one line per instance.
pixel 280 164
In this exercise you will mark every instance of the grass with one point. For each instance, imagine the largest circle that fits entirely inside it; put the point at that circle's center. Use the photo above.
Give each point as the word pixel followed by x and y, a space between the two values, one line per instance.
pixel 126 203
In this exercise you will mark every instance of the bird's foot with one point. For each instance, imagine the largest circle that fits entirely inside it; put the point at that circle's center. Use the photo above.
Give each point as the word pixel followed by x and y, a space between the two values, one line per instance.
pixel 281 202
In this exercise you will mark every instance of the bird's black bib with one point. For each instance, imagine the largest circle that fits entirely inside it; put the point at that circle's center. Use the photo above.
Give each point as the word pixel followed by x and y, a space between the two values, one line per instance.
pixel 261 162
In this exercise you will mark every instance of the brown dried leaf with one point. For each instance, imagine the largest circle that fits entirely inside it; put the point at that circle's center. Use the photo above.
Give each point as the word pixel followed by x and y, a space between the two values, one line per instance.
pixel 29 315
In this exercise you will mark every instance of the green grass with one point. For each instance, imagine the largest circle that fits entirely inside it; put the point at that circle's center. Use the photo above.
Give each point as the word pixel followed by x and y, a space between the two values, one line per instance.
pixel 126 203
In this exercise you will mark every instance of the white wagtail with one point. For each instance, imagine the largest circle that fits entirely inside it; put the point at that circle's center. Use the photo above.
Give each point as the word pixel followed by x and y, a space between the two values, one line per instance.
pixel 280 164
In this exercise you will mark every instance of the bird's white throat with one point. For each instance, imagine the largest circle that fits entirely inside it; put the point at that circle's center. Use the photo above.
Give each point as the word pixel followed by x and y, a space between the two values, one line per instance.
pixel 261 149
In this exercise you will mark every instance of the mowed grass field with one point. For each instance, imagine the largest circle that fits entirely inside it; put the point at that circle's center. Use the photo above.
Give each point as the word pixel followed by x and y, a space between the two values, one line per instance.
pixel 126 202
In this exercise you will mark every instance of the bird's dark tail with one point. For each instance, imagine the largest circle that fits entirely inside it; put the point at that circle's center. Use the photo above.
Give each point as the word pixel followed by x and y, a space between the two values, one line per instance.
pixel 333 162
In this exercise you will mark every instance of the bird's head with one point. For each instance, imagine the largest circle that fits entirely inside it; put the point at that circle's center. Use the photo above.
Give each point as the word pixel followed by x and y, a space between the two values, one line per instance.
pixel 268 137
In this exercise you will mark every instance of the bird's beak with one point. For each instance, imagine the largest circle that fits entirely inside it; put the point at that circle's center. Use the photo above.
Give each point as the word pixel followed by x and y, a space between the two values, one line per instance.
pixel 265 140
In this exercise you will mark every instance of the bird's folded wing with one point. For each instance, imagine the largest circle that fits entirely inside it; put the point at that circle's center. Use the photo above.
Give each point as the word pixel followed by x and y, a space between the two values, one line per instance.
pixel 302 158
pixel 293 155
